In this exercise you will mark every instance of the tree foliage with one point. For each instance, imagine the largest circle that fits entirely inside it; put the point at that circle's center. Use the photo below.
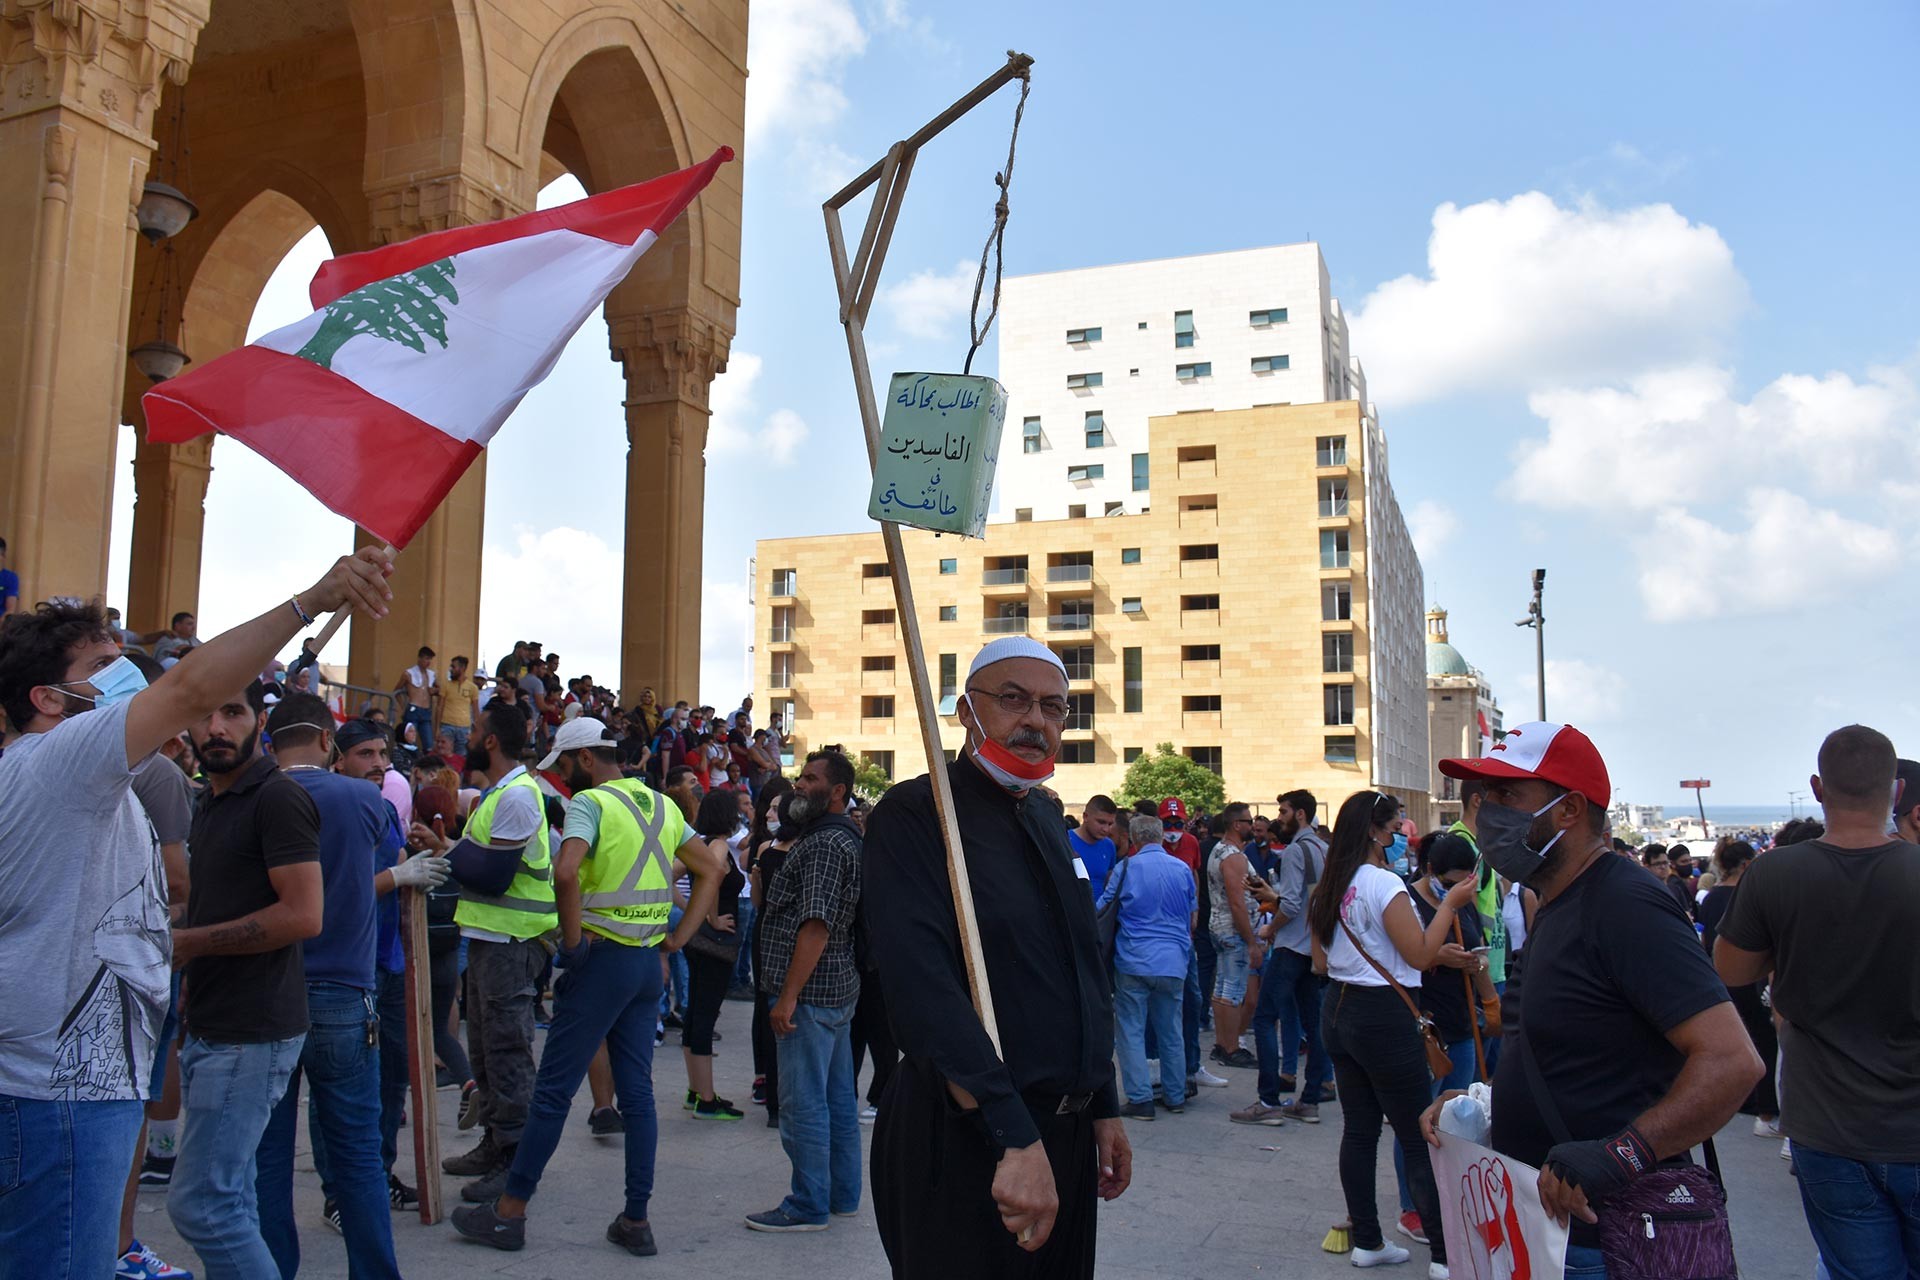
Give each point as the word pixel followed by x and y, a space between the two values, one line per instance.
pixel 403 308
pixel 870 780
pixel 1167 773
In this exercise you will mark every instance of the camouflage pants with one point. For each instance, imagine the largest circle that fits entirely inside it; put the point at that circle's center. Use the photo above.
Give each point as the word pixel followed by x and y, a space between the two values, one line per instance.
pixel 500 992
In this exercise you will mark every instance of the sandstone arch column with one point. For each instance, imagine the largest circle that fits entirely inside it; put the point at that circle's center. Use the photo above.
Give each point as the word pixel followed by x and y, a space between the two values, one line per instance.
pixel 670 358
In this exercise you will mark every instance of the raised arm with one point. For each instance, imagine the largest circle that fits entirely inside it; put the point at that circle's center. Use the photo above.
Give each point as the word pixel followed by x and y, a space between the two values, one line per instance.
pixel 1421 948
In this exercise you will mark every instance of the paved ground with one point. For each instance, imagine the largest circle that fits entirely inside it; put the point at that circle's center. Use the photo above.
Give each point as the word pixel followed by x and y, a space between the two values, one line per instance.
pixel 1208 1201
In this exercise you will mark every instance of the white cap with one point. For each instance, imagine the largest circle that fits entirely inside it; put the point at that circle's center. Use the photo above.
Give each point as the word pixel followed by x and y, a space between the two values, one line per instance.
pixel 581 731
pixel 1015 647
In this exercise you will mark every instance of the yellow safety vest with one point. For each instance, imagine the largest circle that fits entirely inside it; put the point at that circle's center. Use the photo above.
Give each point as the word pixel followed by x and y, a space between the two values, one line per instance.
pixel 626 887
pixel 526 909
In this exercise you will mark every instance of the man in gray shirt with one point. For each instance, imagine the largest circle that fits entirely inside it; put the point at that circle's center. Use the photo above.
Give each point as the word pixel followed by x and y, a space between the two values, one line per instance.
pixel 1289 992
pixel 83 901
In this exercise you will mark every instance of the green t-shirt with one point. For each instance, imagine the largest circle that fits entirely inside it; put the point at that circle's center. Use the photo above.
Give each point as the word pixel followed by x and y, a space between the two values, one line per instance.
pixel 1487 901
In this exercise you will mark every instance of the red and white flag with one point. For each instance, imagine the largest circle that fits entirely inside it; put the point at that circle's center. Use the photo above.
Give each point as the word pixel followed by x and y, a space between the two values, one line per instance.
pixel 380 400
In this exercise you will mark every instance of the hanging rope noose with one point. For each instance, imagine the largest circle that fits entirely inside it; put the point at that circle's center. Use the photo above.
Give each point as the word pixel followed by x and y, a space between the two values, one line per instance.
pixel 996 238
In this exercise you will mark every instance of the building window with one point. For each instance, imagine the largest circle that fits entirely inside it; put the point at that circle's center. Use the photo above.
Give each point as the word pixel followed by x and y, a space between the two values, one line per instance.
pixel 1272 364
pixel 1200 653
pixel 1078 662
pixel 782 671
pixel 876 617
pixel 949 613
pixel 881 760
pixel 1337 704
pixel 1129 555
pixel 1133 373
pixel 1086 472
pixel 1336 652
pixel 782 630
pixel 877 662
pixel 1330 451
pixel 1115 509
pixel 1143 324
pixel 949 566
pixel 1342 749
pixel 1200 702
pixel 1132 685
pixel 1129 754
pixel 1200 551
pixel 949 682
pixel 877 707
pixel 785 582
pixel 1079 712
pixel 1130 604
pixel 1336 601
pixel 1139 473
pixel 1076 336
pixel 1030 436
pixel 1076 753
pixel 1190 603
pixel 1272 315
pixel 1078 511
pixel 1189 372
pixel 1205 757
pixel 1333 497
pixel 1084 381
pixel 1183 328
pixel 1096 430
pixel 1021 515
pixel 877 569
pixel 1334 552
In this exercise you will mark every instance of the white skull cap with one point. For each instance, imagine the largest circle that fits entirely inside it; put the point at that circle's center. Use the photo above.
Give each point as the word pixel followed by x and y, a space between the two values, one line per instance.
pixel 1015 647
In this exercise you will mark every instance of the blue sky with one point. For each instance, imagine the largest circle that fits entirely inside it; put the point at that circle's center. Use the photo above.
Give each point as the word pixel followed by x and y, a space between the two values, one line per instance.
pixel 1634 286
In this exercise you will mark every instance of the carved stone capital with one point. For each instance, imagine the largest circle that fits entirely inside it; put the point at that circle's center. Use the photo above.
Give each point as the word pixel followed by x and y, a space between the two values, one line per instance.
pixel 669 355
pixel 401 210
pixel 104 59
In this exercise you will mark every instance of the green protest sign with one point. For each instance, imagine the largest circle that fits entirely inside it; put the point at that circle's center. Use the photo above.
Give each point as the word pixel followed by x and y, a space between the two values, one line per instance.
pixel 939 443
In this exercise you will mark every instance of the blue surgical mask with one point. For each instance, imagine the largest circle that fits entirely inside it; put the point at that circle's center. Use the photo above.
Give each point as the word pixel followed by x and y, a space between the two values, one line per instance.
pixel 1397 853
pixel 115 682
pixel 1503 839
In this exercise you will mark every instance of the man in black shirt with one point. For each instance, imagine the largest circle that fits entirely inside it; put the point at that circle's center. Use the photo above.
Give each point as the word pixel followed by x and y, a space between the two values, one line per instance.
pixel 986 1163
pixel 1639 1049
pixel 255 897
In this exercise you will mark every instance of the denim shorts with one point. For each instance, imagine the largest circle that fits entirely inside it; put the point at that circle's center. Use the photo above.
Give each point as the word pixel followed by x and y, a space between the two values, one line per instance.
pixel 1231 967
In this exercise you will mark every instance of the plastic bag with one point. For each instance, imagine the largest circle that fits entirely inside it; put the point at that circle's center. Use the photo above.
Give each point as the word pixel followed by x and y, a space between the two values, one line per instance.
pixel 1470 1115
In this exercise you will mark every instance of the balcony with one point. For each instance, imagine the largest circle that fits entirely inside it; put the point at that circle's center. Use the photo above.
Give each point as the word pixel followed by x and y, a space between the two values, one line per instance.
pixel 1198 468
pixel 1207 670
pixel 780 634
pixel 1199 517
pixel 1003 577
pixel 876 726
pixel 880 586
pixel 783 587
pixel 1078 726
pixel 1004 626
pixel 1070 580
pixel 1200 568
pixel 1200 617
pixel 780 680
pixel 1199 719
pixel 877 631
pixel 1069 622
pixel 877 679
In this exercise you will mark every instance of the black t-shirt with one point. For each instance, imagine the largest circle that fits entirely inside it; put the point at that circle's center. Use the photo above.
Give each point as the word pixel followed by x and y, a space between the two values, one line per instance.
pixel 265 820
pixel 1842 926
pixel 1613 964
pixel 1443 994
pixel 1712 910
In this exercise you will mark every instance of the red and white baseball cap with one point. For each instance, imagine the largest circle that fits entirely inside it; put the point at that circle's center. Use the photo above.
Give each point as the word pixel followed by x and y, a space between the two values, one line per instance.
pixel 1556 753
pixel 1172 810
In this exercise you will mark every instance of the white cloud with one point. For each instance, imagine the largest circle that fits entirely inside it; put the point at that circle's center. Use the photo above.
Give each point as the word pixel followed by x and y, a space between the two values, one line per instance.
pixel 731 428
pixel 797 51
pixel 1790 555
pixel 1524 293
pixel 930 304
pixel 555 583
pixel 1432 525
pixel 1579 693
pixel 726 622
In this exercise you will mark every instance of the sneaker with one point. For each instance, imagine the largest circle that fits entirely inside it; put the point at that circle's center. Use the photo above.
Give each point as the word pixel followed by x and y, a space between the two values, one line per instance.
pixel 1327 1094
pixel 480 1222
pixel 693 1100
pixel 1304 1112
pixel 471 1164
pixel 717 1108
pixel 781 1220
pixel 1136 1111
pixel 1786 1148
pixel 1193 1090
pixel 1175 1108
pixel 869 1114
pixel 1438 1271
pixel 469 1106
pixel 659 1036
pixel 486 1190
pixel 156 1171
pixel 760 1091
pixel 1238 1058
pixel 1387 1255
pixel 1409 1226
pixel 635 1237
pixel 604 1122
pixel 672 1022
pixel 1766 1128
pixel 1207 1078
pixel 401 1196
pixel 330 1214
pixel 1259 1113
pixel 142 1263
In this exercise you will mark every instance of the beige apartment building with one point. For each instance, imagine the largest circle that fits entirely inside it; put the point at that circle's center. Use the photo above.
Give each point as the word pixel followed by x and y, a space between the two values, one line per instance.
pixel 1263 613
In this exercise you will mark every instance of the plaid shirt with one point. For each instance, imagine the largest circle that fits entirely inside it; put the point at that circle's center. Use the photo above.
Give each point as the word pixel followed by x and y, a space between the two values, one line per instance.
pixel 820 880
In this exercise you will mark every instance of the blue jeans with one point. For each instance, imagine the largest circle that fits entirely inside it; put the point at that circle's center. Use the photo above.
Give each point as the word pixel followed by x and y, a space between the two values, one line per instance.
pixel 819 1112
pixel 613 995
pixel 1206 961
pixel 390 1003
pixel 63 1166
pixel 1289 994
pixel 676 968
pixel 1460 1077
pixel 1865 1217
pixel 343 1073
pixel 743 926
pixel 422 720
pixel 228 1093
pixel 1137 1001
pixel 459 733
pixel 1584 1262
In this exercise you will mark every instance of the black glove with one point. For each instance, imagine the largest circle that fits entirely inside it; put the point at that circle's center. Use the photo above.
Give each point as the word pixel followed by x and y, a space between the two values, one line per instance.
pixel 1603 1167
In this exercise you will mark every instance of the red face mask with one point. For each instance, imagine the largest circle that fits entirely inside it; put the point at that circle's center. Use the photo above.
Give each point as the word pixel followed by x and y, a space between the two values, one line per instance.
pixel 1008 769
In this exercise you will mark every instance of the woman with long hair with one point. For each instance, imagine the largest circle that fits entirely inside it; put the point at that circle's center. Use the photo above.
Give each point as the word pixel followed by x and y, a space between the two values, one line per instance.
pixel 707 971
pixel 1367 938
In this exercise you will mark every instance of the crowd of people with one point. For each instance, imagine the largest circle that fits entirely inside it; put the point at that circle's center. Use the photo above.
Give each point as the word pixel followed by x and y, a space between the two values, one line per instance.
pixel 228 927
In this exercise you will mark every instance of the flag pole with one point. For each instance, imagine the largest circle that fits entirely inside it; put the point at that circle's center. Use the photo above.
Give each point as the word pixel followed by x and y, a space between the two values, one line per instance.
pixel 340 615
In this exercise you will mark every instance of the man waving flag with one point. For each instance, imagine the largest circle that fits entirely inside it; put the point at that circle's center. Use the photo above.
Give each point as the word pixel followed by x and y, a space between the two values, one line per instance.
pixel 380 400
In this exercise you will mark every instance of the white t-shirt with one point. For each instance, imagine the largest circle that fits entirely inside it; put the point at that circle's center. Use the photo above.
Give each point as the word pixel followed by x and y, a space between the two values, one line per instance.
pixel 1515 914
pixel 516 818
pixel 1364 909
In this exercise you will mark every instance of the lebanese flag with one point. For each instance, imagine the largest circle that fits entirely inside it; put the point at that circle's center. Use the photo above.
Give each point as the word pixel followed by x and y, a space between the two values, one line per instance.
pixel 379 401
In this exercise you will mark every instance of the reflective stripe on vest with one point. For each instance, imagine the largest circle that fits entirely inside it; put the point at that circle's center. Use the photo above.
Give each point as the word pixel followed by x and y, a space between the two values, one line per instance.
pixel 526 909
pixel 625 910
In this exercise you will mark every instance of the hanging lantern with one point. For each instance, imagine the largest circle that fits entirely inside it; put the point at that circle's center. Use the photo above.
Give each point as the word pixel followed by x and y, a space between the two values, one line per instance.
pixel 163 212
pixel 159 359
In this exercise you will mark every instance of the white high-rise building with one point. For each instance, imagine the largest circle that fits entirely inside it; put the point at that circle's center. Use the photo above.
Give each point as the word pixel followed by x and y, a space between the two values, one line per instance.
pixel 1088 356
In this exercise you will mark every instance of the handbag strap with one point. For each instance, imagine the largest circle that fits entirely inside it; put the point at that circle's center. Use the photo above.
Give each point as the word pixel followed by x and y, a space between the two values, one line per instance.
pixel 1391 980
pixel 1473 1004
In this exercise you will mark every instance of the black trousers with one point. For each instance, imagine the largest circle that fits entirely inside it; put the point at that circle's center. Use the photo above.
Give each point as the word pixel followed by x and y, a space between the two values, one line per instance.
pixel 1381 1068
pixel 707 979
pixel 445 971
pixel 933 1170
pixel 872 1034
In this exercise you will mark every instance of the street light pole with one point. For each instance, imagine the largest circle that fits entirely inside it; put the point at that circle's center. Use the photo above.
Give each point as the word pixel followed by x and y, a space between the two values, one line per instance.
pixel 1538 621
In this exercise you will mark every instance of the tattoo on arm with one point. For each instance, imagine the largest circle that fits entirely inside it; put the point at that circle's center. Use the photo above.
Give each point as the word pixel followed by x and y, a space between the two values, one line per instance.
pixel 239 936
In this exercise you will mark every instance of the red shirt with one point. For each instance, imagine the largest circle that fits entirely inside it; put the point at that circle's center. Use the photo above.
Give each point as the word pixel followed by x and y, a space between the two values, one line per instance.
pixel 1184 847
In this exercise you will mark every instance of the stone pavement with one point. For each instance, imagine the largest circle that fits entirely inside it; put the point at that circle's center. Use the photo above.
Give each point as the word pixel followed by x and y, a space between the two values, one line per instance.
pixel 1208 1200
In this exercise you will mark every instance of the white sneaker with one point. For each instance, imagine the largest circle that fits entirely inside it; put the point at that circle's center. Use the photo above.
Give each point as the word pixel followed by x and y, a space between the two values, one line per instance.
pixel 1786 1148
pixel 1438 1271
pixel 869 1114
pixel 1766 1128
pixel 1210 1080
pixel 1387 1255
